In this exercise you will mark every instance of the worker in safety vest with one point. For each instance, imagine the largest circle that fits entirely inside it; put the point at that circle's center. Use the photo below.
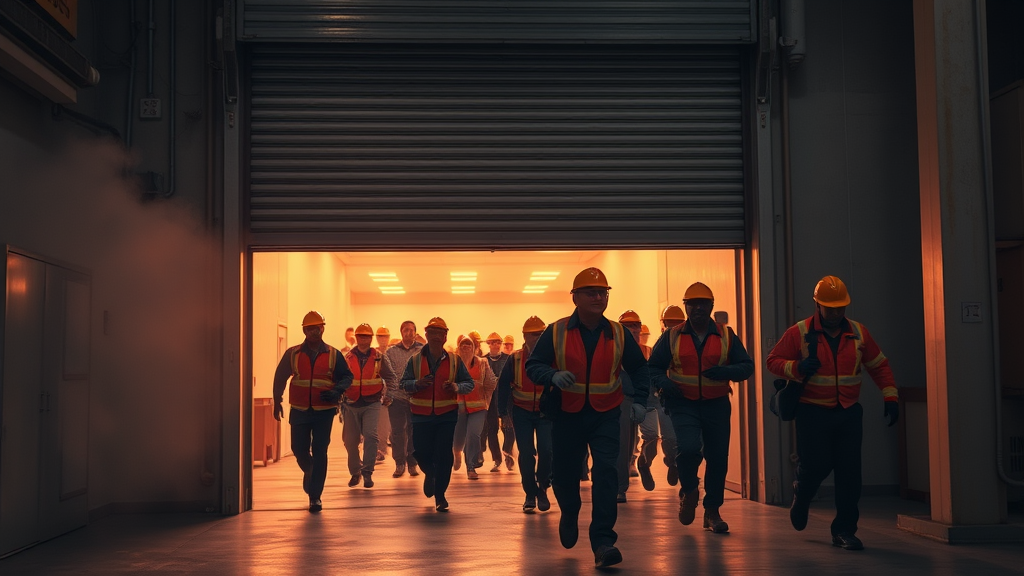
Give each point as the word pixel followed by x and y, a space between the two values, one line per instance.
pixel 362 406
pixel 827 353
pixel 657 424
pixel 497 360
pixel 509 344
pixel 435 379
pixel 630 320
pixel 519 403
pixel 578 361
pixel 319 376
pixel 472 408
pixel 384 423
pixel 693 364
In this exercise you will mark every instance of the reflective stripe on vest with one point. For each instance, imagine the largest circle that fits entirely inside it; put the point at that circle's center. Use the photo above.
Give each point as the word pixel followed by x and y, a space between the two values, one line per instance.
pixel 309 381
pixel 474 401
pixel 604 390
pixel 827 388
pixel 366 381
pixel 434 400
pixel 685 370
pixel 525 393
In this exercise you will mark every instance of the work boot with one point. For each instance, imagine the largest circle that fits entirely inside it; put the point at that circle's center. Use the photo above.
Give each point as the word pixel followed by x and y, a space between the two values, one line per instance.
pixel 354 481
pixel 315 505
pixel 798 509
pixel 568 528
pixel 471 474
pixel 530 504
pixel 428 485
pixel 646 478
pixel 713 522
pixel 381 456
pixel 457 463
pixel 413 471
pixel 440 503
pixel 509 461
pixel 367 480
pixel 607 556
pixel 688 507
pixel 399 471
pixel 543 504
pixel 620 498
pixel 305 482
pixel 497 467
pixel 847 542
pixel 673 474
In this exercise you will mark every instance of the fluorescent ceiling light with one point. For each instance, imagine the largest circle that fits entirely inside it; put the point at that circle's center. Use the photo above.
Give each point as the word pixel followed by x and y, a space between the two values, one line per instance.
pixel 555 273
pixel 463 291
pixel 464 287
pixel 390 288
pixel 382 275
pixel 385 279
pixel 535 287
pixel 533 291
pixel 463 274
pixel 389 292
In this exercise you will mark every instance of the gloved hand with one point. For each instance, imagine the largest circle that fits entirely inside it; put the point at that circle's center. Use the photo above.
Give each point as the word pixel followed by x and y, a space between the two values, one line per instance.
pixel 808 366
pixel 716 373
pixel 892 412
pixel 638 413
pixel 563 379
pixel 425 382
pixel 330 396
pixel 278 411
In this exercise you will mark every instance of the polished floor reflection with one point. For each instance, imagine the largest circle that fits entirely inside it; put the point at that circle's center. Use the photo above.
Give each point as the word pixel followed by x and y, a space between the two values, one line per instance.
pixel 392 528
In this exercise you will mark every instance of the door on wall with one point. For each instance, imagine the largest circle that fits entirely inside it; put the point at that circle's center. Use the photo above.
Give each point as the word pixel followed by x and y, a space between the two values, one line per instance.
pixel 45 401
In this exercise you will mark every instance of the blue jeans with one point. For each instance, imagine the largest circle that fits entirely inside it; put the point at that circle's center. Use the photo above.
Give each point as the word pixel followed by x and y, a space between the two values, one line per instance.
pixel 534 462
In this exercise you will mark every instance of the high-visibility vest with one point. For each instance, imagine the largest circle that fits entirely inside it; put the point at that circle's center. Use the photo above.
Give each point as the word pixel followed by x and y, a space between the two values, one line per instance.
pixel 309 380
pixel 435 399
pixel 474 401
pixel 838 380
pixel 366 381
pixel 604 390
pixel 525 393
pixel 685 370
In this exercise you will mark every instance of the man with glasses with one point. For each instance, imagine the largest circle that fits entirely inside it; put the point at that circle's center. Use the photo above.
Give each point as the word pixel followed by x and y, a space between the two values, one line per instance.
pixel 578 361
pixel 693 364
pixel 319 376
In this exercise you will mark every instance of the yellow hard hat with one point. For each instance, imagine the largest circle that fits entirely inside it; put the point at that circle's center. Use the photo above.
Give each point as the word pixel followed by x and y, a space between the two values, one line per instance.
pixel 383 331
pixel 313 318
pixel 475 336
pixel 591 277
pixel 629 317
pixel 644 329
pixel 831 292
pixel 461 339
pixel 532 325
pixel 364 329
pixel 437 322
pixel 494 336
pixel 510 340
pixel 673 312
pixel 698 291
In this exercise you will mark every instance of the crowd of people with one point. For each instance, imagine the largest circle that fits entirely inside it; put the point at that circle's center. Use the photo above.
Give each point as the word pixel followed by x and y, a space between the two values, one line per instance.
pixel 584 398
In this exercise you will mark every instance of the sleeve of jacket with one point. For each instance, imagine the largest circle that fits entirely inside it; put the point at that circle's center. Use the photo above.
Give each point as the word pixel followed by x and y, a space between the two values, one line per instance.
pixel 490 383
pixel 878 367
pixel 538 366
pixel 740 366
pixel 784 357
pixel 635 364
pixel 387 372
pixel 463 381
pixel 342 374
pixel 282 374
pixel 505 388
pixel 660 360
pixel 409 377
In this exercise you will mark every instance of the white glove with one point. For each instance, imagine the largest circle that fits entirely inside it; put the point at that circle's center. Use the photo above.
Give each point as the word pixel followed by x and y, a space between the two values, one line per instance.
pixel 563 379
pixel 639 414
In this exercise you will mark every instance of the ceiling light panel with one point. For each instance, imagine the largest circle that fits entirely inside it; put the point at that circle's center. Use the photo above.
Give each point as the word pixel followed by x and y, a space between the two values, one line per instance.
pixel 533 291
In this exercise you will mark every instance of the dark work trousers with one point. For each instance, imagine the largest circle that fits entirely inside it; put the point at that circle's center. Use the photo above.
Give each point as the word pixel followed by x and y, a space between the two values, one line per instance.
pixel 702 433
pixel 827 440
pixel 311 435
pixel 571 434
pixel 489 436
pixel 433 442
pixel 401 432
pixel 534 462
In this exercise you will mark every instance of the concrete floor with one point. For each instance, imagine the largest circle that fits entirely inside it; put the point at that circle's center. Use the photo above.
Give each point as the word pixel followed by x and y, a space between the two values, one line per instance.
pixel 392 528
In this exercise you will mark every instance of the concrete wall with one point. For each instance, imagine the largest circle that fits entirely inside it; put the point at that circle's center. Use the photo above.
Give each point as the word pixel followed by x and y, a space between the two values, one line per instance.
pixel 153 438
pixel 855 193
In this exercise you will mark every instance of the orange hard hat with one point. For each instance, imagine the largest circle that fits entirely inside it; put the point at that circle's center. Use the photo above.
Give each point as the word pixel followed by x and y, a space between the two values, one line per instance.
pixel 644 329
pixel 475 335
pixel 698 291
pixel 383 331
pixel 313 318
pixel 510 340
pixel 437 322
pixel 591 277
pixel 532 325
pixel 463 339
pixel 673 312
pixel 364 329
pixel 494 336
pixel 629 317
pixel 831 292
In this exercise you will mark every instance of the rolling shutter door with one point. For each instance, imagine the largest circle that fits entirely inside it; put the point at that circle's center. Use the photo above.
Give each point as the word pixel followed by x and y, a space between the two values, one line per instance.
pixel 441 146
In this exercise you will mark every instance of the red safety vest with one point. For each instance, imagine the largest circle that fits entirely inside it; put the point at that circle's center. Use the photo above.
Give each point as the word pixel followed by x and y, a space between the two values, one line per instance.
pixel 434 400
pixel 474 401
pixel 525 393
pixel 366 381
pixel 604 390
pixel 685 370
pixel 309 381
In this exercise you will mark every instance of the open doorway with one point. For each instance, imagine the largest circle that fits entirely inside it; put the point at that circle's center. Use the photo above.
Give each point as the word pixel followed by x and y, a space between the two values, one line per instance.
pixel 482 291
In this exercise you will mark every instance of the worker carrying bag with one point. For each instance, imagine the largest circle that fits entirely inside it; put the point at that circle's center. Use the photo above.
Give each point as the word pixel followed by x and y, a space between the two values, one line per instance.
pixel 787 392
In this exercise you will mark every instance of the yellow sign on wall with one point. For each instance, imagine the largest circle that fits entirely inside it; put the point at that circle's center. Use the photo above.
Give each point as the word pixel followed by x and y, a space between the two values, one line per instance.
pixel 65 12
